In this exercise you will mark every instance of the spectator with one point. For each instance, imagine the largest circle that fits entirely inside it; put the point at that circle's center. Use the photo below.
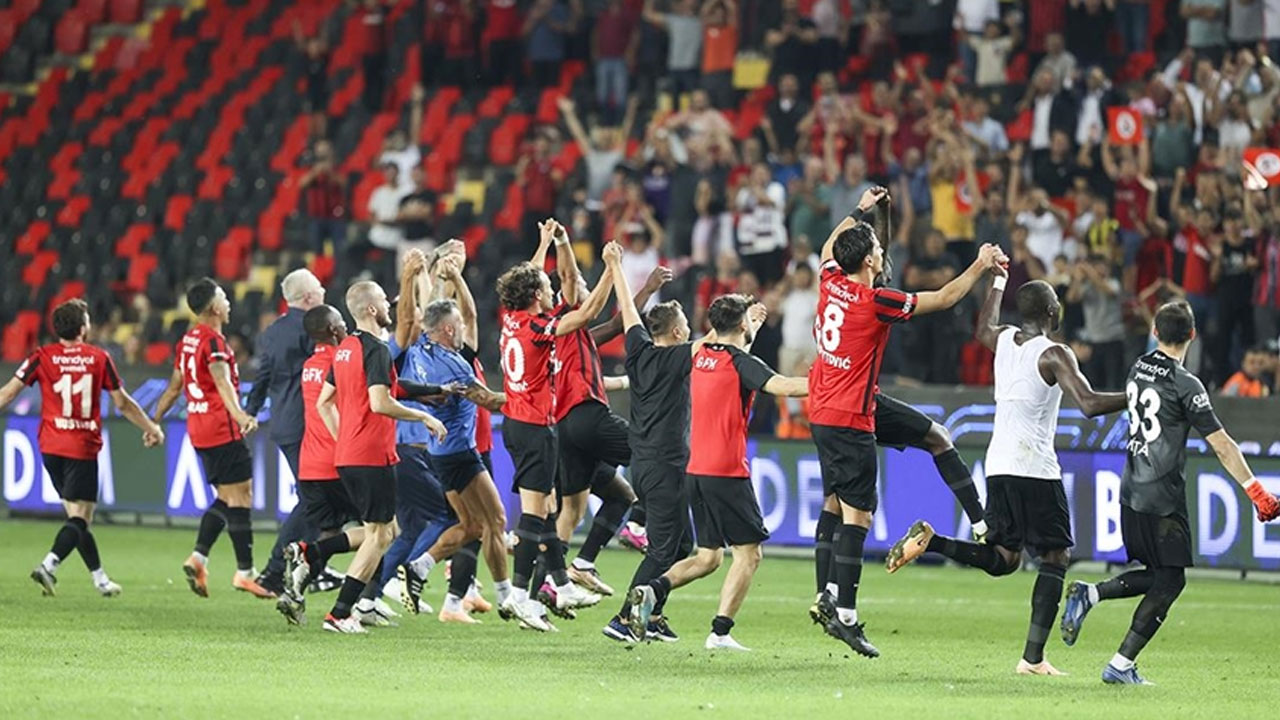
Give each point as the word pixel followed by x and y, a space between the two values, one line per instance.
pixel 712 235
pixel 985 133
pixel 1206 27
pixel 1249 381
pixel 809 204
pixel 1091 113
pixel 614 40
pixel 1044 221
pixel 992 223
pixel 539 180
pixel 719 50
pixel 316 68
pixel 1049 111
pixel 1235 131
pixel 990 53
pixel 845 185
pixel 833 31
pixel 951 216
pixel 1099 294
pixel 877 42
pixel 502 32
pixel 1266 309
pixel 783 115
pixel 604 150
pixel 701 124
pixel 762 229
pixel 373 58
pixel 658 171
pixel 684 49
pixel 1234 266
pixel 1101 236
pixel 401 148
pixel 933 347
pixel 417 218
pixel 1132 19
pixel 1023 268
pixel 794 45
pixel 642 240
pixel 710 287
pixel 1059 62
pixel 451 43
pixel 1056 170
pixel 1087 34
pixel 324 191
pixel 799 306
pixel 972 19
pixel 1247 22
pixel 1173 138
pixel 1134 196
pixel 1193 254
pixel 1154 263
pixel 385 232
pixel 802 254
pixel 546 26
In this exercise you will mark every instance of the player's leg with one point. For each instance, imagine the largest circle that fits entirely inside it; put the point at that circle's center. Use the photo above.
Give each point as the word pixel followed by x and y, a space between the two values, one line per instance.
pixel 737 513
pixel 238 498
pixel 1045 597
pixel 662 496
pixel 829 522
pixel 1001 553
pixel 533 452
pixel 88 549
pixel 1082 597
pixel 295 527
pixel 646 599
pixel 79 493
pixel 746 560
pixel 1167 584
pixel 1039 509
pixel 372 490
pixel 616 498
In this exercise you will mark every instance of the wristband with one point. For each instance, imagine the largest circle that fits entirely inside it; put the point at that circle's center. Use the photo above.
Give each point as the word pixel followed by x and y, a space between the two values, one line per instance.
pixel 858 214
pixel 999 282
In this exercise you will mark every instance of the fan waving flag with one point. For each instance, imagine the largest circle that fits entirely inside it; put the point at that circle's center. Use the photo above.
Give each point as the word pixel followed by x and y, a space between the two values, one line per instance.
pixel 1262 167
pixel 1124 126
pixel 965 203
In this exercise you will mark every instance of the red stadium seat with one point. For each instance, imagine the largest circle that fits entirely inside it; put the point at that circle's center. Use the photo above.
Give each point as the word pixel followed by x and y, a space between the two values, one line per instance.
pixel 72 34
pixel 8 29
pixel 94 11
pixel 126 11
pixel 140 269
pixel 21 336
pixel 73 289
pixel 71 213
pixel 30 241
pixel 37 271
pixel 157 353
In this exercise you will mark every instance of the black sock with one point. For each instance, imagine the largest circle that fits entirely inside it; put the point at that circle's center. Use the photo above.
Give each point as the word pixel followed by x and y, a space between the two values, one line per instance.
pixel 822 547
pixel 68 537
pixel 835 543
pixel 848 562
pixel 88 548
pixel 638 515
pixel 318 553
pixel 240 530
pixel 528 535
pixel 211 524
pixel 661 589
pixel 348 594
pixel 956 474
pixel 1130 584
pixel 1154 608
pixel 721 625
pixel 1044 609
pixel 463 570
pixel 554 556
pixel 983 557
pixel 603 528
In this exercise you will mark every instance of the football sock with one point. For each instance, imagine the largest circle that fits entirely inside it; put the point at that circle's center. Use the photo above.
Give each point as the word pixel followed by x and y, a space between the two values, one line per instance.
pixel 100 577
pixel 348 594
pixel 605 525
pixel 463 570
pixel 848 562
pixel 847 616
pixel 502 588
pixel 423 564
pixel 983 557
pixel 581 564
pixel 721 625
pixel 1130 584
pixel 88 548
pixel 528 534
pixel 452 602
pixel 832 585
pixel 67 539
pixel 638 514
pixel 1044 609
pixel 318 553
pixel 661 589
pixel 827 523
pixel 1151 612
pixel 956 474
pixel 1120 662
pixel 554 555
pixel 373 589
pixel 211 524
pixel 240 530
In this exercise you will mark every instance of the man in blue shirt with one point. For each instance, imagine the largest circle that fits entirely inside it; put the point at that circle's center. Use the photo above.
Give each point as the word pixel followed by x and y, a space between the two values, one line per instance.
pixel 282 349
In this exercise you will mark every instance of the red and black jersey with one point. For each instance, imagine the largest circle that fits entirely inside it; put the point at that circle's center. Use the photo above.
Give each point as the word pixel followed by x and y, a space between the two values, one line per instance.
pixel 315 461
pixel 365 438
pixel 72 378
pixel 852 328
pixel 209 422
pixel 484 418
pixel 722 389
pixel 527 345
pixel 579 376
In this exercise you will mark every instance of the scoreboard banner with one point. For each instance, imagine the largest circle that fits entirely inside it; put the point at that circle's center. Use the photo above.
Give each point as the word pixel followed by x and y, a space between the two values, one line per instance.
pixel 170 481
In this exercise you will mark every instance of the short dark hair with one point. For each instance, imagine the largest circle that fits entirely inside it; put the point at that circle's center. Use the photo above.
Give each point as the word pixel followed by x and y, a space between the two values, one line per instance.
pixel 1034 299
pixel 1175 323
pixel 200 295
pixel 436 311
pixel 661 318
pixel 726 312
pixel 853 245
pixel 318 320
pixel 69 318
pixel 518 287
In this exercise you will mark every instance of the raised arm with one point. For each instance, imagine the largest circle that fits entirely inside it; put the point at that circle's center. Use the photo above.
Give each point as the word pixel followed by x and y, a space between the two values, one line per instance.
pixel 626 305
pixel 221 373
pixel 989 328
pixel 169 396
pixel 865 203
pixel 152 435
pixel 545 239
pixel 1060 364
pixel 417 95
pixel 407 308
pixel 650 15
pixel 466 302
pixel 575 126
pixel 581 316
pixel 954 291
pixel 566 263
pixel 607 331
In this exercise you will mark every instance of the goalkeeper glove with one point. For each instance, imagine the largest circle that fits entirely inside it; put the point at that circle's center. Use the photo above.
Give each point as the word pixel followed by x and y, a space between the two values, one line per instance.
pixel 1267 504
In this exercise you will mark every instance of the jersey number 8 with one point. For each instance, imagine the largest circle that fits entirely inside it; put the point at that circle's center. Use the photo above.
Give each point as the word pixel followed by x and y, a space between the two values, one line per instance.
pixel 829 330
pixel 1143 407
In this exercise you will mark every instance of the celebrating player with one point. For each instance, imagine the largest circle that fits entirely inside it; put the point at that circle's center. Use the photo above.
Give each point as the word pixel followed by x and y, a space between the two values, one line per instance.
pixel 1026 503
pixel 1165 402
pixel 72 375
pixel 527 349
pixel 852 327
pixel 359 398
pixel 725 509
pixel 206 371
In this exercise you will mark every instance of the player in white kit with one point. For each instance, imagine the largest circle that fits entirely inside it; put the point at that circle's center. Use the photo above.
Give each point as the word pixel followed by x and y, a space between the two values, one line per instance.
pixel 1026 504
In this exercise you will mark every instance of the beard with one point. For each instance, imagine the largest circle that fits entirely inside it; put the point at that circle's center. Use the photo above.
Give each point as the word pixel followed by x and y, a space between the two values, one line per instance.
pixel 749 336
pixel 384 321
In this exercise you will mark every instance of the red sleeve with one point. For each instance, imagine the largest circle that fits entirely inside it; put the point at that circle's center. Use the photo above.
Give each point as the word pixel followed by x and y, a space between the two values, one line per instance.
pixel 29 369
pixel 110 377
pixel 217 351
pixel 894 306
pixel 831 268
pixel 544 327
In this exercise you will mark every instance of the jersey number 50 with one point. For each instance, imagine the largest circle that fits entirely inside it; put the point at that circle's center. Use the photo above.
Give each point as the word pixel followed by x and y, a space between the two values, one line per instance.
pixel 1143 407
pixel 513 360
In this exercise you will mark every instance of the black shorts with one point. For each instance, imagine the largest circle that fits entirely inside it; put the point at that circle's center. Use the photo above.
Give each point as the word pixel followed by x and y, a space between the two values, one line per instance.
pixel 725 512
pixel 593 442
pixel 1028 512
pixel 372 490
pixel 898 425
pixel 848 461
pixel 1157 541
pixel 486 457
pixel 533 453
pixel 660 486
pixel 227 464
pixel 456 470
pixel 326 503
pixel 75 480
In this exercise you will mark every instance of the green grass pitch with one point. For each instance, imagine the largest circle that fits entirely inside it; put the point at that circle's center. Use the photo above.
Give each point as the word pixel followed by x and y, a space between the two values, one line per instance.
pixel 950 639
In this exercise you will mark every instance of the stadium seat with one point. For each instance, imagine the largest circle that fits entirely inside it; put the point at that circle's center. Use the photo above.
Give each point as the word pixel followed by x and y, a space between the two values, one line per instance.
pixel 72 34
pixel 21 336
pixel 125 11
